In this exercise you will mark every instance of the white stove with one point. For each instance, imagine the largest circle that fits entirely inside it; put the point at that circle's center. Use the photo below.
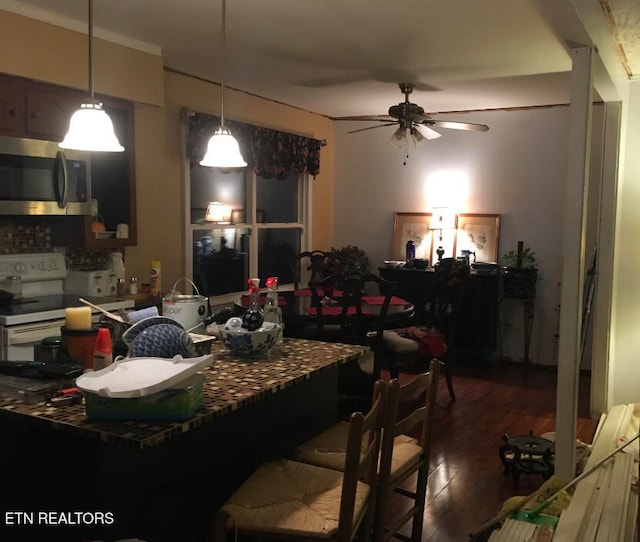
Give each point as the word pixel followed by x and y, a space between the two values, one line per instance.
pixel 41 310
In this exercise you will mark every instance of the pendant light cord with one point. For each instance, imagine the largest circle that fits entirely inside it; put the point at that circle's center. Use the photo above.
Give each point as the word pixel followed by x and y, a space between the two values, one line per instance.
pixel 91 48
pixel 222 58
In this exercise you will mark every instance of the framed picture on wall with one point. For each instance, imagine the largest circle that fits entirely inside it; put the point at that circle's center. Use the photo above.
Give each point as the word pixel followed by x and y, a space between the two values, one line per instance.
pixel 414 227
pixel 479 233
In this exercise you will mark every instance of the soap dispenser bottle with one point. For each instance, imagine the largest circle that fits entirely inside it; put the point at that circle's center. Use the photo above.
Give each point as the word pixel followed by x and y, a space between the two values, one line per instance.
pixel 272 310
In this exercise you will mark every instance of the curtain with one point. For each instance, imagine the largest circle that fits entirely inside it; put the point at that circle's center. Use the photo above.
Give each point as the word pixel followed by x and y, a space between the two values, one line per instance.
pixel 270 153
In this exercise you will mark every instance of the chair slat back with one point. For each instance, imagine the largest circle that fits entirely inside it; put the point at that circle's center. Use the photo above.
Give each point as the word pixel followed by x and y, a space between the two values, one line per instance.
pixel 394 425
pixel 354 320
pixel 361 465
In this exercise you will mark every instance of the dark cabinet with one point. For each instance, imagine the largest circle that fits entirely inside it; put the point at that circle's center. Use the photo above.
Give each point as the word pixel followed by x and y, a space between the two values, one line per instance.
pixel 476 312
pixel 37 110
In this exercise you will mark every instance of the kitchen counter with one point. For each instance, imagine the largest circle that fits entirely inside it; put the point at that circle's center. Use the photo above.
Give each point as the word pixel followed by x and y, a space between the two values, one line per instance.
pixel 230 383
pixel 181 471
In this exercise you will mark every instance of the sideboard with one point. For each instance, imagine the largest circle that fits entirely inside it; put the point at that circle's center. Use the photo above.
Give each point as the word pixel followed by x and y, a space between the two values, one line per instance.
pixel 476 319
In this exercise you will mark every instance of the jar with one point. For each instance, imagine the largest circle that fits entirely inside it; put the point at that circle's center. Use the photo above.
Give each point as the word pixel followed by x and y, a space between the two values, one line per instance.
pixel 13 284
pixel 133 286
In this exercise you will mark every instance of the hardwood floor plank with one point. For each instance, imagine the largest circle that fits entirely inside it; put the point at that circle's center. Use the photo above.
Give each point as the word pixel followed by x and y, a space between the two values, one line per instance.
pixel 467 484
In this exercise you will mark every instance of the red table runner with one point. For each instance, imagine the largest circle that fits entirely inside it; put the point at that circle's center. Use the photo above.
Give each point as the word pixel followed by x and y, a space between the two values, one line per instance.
pixel 335 311
pixel 379 300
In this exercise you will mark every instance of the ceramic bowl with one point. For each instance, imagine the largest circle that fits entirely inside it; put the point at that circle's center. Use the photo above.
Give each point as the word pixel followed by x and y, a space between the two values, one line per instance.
pixel 163 341
pixel 249 344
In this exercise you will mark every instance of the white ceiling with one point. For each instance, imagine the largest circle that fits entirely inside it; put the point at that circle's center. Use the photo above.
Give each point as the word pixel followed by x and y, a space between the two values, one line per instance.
pixel 344 57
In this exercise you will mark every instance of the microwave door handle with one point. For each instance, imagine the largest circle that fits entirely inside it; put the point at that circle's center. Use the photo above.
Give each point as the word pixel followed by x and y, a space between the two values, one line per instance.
pixel 61 191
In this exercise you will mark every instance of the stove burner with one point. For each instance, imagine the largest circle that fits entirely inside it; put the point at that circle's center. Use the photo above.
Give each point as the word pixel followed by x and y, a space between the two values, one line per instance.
pixel 527 455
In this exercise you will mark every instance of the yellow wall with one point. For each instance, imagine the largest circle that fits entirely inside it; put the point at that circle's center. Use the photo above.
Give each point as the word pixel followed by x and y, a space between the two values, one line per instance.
pixel 49 53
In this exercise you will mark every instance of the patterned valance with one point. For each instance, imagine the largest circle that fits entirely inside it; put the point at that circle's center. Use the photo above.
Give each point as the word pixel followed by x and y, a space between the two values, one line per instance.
pixel 270 153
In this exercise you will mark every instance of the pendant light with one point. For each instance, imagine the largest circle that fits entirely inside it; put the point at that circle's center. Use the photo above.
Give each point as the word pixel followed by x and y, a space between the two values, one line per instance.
pixel 223 150
pixel 90 128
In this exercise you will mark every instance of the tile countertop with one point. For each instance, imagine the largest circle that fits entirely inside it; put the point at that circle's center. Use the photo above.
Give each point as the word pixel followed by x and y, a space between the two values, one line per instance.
pixel 230 383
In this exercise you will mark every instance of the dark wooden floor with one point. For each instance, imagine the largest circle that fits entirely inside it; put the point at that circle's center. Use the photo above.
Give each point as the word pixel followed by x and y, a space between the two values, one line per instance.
pixel 466 482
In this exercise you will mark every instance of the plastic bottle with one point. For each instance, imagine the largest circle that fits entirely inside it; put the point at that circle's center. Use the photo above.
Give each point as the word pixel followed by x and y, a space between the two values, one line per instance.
pixel 253 317
pixel 102 351
pixel 272 310
pixel 410 252
pixel 117 265
pixel 156 278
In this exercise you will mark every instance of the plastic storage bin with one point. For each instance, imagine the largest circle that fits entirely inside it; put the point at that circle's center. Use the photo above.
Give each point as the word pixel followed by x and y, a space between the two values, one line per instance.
pixel 176 403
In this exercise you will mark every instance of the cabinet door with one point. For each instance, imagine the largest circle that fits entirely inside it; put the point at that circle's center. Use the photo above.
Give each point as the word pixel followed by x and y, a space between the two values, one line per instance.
pixel 49 110
pixel 12 107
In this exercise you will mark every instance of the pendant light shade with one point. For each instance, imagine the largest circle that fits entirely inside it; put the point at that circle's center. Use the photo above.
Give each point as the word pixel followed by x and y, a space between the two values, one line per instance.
pixel 223 150
pixel 90 128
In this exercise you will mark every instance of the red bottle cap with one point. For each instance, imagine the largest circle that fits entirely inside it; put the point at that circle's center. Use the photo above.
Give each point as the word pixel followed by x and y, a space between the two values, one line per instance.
pixel 103 341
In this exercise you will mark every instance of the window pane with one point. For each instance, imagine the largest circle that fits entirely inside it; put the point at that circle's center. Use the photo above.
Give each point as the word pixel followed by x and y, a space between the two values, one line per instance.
pixel 209 184
pixel 220 260
pixel 277 199
pixel 277 249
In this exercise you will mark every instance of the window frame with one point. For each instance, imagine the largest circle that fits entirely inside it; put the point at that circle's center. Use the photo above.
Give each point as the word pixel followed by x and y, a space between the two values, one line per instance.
pixel 252 227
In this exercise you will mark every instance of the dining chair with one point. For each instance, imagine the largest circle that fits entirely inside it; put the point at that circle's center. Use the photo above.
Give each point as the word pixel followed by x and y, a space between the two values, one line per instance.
pixel 404 454
pixel 291 500
pixel 313 261
pixel 350 321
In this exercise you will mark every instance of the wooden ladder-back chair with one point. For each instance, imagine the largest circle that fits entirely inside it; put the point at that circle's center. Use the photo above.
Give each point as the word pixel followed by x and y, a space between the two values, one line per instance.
pixel 290 500
pixel 402 455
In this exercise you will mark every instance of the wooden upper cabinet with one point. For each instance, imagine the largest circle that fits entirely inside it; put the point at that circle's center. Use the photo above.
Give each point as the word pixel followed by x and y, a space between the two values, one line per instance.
pixel 12 106
pixel 49 110
pixel 36 110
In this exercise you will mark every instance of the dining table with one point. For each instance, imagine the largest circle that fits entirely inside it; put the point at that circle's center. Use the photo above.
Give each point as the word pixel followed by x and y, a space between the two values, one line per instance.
pixel 299 311
pixel 71 477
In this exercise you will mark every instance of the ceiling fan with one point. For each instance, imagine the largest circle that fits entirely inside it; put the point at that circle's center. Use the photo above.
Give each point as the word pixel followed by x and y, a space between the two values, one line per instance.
pixel 412 121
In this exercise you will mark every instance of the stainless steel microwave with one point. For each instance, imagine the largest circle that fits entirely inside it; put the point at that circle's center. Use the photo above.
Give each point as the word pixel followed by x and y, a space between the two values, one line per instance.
pixel 39 178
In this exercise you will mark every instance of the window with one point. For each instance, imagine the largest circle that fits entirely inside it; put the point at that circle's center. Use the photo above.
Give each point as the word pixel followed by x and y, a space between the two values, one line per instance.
pixel 263 226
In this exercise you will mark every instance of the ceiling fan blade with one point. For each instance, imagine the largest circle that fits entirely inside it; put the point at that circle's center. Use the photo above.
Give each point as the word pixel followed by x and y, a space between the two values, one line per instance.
pixel 426 132
pixel 371 127
pixel 456 125
pixel 378 118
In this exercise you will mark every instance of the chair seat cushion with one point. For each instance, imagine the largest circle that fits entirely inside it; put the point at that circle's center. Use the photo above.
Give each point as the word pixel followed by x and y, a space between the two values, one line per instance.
pixel 328 449
pixel 395 342
pixel 293 498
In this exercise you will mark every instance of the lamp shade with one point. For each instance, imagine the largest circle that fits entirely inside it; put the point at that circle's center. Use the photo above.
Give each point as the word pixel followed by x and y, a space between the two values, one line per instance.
pixel 223 151
pixel 217 212
pixel 91 129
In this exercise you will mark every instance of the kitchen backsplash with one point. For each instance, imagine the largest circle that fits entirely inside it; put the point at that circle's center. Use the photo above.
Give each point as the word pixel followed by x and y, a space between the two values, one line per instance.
pixel 18 237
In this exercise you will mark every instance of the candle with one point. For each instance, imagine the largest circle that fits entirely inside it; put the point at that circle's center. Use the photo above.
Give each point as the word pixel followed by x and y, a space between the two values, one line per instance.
pixel 77 318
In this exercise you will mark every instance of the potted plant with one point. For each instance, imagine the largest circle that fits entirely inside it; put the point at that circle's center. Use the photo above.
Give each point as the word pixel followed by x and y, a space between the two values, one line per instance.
pixel 345 260
pixel 520 272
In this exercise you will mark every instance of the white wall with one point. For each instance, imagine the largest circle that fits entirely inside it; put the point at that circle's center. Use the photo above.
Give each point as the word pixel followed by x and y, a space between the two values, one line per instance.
pixel 624 370
pixel 517 169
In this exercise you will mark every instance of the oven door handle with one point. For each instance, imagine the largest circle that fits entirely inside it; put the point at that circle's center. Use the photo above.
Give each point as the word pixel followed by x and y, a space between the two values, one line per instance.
pixel 60 185
pixel 32 335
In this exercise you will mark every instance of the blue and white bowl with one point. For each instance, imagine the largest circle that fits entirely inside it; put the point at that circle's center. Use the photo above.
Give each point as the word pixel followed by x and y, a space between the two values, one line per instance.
pixel 249 344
